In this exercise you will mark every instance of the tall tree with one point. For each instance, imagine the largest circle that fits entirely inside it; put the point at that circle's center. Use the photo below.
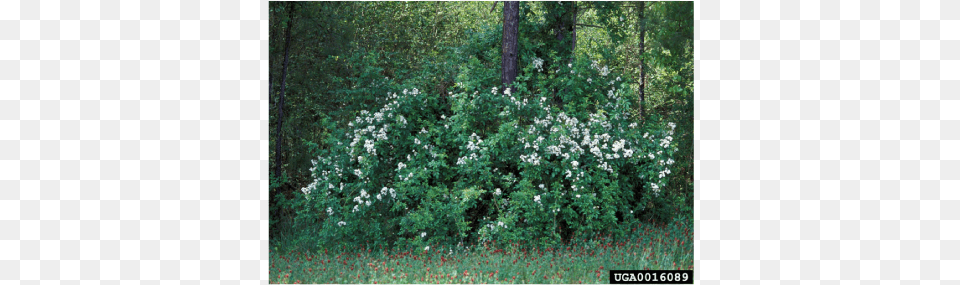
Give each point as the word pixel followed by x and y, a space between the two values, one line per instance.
pixel 511 28
pixel 561 21
pixel 643 77
pixel 568 26
pixel 283 86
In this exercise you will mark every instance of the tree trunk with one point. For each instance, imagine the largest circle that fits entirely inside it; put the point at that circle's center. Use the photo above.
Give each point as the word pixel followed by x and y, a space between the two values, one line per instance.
pixel 643 77
pixel 573 31
pixel 566 26
pixel 283 90
pixel 511 26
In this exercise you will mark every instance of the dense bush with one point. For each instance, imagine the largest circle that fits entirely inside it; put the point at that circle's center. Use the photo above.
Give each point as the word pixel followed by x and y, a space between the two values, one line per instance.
pixel 555 156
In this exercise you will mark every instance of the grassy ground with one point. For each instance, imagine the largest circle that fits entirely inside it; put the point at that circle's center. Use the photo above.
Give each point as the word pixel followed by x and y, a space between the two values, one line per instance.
pixel 584 261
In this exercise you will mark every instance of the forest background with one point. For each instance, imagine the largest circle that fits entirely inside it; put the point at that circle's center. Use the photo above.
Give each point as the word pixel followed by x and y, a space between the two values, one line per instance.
pixel 621 68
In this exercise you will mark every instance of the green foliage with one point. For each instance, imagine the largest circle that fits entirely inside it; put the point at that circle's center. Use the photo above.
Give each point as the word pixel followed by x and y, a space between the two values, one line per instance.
pixel 371 160
pixel 492 166
pixel 671 85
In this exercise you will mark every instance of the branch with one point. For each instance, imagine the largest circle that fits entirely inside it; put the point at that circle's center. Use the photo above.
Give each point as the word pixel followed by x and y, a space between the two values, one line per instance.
pixel 494 6
pixel 592 26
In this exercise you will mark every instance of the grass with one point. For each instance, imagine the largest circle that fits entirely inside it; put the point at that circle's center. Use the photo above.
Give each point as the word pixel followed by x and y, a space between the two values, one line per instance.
pixel 583 261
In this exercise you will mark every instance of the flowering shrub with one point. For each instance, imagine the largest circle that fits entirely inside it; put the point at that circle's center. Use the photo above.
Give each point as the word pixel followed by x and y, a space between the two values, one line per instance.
pixel 555 156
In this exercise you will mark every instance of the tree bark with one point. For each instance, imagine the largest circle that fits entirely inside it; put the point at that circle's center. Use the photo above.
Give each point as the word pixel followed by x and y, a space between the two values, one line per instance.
pixel 283 90
pixel 511 26
pixel 566 26
pixel 573 32
pixel 643 77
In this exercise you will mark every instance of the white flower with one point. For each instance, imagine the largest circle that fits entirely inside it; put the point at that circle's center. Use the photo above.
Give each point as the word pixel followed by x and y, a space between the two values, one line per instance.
pixel 541 186
pixel 506 91
pixel 423 234
pixel 329 211
pixel 368 144
pixel 426 248
pixel 497 192
pixel 589 80
pixel 532 159
pixel 494 90
pixel 617 145
pixel 578 195
pixel 575 163
pixel 536 198
pixel 342 223
pixel 665 142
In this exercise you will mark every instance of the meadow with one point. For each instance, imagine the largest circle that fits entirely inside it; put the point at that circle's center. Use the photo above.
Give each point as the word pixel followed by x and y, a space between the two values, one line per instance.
pixel 646 246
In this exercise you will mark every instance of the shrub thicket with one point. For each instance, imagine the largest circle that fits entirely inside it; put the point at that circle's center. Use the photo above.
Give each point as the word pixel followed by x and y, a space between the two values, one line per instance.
pixel 556 156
